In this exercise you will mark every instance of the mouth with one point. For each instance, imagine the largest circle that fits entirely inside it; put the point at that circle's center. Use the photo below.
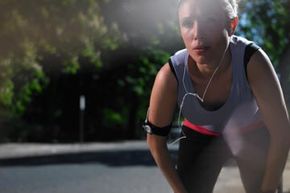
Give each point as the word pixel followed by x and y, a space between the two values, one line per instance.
pixel 201 50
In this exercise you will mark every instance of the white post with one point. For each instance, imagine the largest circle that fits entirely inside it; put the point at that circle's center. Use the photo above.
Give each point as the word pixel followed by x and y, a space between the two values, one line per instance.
pixel 82 114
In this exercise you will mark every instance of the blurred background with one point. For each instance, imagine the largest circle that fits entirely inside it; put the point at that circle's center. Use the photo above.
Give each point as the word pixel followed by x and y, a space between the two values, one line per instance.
pixel 74 70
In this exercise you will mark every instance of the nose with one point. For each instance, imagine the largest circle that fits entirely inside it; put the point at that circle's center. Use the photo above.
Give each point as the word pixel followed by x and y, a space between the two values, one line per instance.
pixel 197 30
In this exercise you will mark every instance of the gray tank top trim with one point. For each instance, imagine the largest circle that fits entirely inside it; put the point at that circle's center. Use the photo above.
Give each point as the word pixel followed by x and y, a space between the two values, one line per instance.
pixel 240 94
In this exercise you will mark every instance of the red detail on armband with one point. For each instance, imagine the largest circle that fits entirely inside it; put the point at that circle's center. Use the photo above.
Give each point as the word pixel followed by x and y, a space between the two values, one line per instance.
pixel 200 129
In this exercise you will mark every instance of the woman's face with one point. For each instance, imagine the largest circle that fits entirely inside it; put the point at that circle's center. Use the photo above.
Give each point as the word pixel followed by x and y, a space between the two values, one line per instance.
pixel 204 28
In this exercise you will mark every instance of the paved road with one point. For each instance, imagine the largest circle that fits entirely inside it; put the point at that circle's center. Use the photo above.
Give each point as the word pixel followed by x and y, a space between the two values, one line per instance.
pixel 79 178
pixel 125 167
pixel 93 168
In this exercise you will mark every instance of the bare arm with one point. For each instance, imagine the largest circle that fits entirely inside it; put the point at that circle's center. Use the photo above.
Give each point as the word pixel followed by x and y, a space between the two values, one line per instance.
pixel 267 90
pixel 161 109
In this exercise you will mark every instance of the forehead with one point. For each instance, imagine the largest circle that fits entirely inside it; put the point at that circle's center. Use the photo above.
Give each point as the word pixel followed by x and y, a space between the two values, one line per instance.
pixel 201 8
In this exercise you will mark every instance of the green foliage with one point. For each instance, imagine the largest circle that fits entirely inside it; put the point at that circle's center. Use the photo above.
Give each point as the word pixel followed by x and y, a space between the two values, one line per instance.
pixel 27 90
pixel 108 50
pixel 150 65
pixel 267 22
pixel 6 93
pixel 145 70
pixel 71 66
pixel 138 81
pixel 113 118
pixel 33 31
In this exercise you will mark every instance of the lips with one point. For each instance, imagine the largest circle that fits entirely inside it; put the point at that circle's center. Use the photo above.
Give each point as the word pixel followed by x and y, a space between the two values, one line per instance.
pixel 201 50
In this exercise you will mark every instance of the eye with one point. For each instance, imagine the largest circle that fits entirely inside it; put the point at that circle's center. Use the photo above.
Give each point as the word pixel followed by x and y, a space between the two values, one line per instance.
pixel 187 23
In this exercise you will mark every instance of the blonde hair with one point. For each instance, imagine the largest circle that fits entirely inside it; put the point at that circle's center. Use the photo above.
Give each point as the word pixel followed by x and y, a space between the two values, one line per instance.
pixel 230 6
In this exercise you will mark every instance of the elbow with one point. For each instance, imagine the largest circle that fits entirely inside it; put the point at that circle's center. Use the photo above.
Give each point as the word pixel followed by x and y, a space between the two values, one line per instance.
pixel 156 143
pixel 150 140
pixel 155 139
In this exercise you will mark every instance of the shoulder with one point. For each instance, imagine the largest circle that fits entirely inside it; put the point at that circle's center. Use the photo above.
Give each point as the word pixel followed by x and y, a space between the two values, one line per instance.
pixel 168 74
pixel 165 78
pixel 259 61
pixel 260 69
pixel 163 97
pixel 243 46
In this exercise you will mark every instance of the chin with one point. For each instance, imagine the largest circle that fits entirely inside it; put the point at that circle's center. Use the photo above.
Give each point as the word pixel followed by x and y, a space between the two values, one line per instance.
pixel 199 59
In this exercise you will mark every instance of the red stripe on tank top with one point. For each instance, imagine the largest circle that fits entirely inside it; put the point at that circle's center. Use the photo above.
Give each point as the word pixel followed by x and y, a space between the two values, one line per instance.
pixel 200 129
pixel 203 130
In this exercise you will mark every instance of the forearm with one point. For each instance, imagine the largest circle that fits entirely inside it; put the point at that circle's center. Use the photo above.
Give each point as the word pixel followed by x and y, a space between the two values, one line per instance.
pixel 276 160
pixel 163 159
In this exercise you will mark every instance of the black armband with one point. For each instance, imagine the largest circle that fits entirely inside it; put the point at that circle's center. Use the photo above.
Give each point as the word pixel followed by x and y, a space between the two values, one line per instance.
pixel 154 130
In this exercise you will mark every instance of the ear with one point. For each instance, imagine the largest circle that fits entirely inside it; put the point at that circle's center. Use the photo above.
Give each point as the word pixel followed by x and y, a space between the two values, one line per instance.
pixel 234 24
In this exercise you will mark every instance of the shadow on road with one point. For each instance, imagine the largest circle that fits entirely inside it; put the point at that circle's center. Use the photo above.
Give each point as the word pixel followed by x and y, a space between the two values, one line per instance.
pixel 109 158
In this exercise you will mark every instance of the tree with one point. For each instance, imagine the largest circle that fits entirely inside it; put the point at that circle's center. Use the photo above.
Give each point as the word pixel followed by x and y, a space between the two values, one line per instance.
pixel 151 32
pixel 41 40
pixel 34 32
pixel 267 22
pixel 110 51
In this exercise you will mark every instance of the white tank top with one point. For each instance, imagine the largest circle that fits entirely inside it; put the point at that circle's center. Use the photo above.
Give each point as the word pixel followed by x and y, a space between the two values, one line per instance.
pixel 239 110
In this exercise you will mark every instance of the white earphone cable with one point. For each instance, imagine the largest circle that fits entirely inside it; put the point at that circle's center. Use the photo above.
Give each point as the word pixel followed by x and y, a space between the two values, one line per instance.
pixel 187 93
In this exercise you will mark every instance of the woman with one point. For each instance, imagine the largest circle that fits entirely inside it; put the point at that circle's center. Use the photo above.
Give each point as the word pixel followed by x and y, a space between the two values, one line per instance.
pixel 230 97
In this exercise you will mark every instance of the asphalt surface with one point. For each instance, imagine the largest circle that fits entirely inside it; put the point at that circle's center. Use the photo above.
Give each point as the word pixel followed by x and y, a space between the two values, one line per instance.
pixel 133 156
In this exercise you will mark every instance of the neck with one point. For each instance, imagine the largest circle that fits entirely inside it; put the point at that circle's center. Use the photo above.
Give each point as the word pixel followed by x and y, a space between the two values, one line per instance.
pixel 206 70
